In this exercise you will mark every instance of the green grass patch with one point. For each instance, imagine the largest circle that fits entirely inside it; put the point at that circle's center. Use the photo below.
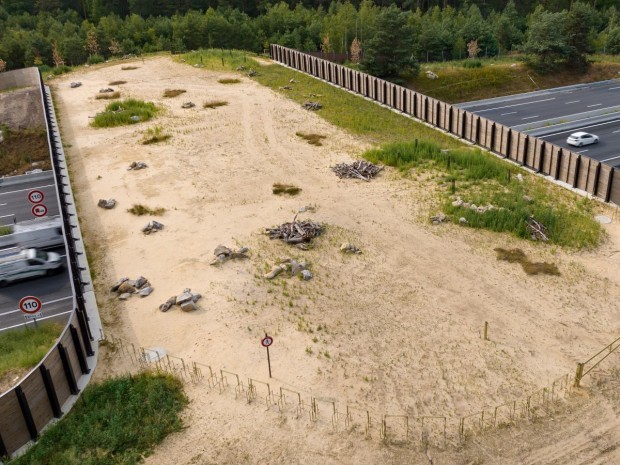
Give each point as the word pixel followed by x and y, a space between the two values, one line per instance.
pixel 108 95
pixel 22 148
pixel 229 81
pixel 285 189
pixel 23 349
pixel 140 210
pixel 116 422
pixel 169 93
pixel 4 230
pixel 531 268
pixel 116 83
pixel 312 139
pixel 129 111
pixel 155 135
pixel 214 104
pixel 481 179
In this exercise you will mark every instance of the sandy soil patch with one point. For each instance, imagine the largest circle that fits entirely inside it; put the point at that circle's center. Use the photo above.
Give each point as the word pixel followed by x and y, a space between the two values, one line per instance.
pixel 396 329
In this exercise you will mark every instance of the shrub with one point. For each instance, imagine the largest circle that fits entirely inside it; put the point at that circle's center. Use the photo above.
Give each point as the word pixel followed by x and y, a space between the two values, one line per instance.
pixel 229 81
pixel 108 95
pixel 472 63
pixel 139 210
pixel 94 59
pixel 288 189
pixel 312 139
pixel 214 104
pixel 129 111
pixel 168 93
pixel 154 135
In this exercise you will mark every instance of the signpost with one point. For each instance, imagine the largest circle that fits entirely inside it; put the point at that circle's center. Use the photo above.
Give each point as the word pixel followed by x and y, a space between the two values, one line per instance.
pixel 35 196
pixel 39 210
pixel 266 342
pixel 31 307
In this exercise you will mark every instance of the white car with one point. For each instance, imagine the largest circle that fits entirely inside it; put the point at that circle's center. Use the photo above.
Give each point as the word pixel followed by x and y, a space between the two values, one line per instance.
pixel 582 138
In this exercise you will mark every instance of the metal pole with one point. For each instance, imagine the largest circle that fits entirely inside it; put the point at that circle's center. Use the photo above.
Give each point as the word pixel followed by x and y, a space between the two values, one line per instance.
pixel 269 362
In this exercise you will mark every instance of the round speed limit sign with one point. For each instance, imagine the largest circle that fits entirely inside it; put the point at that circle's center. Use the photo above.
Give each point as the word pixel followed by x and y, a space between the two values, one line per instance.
pixel 266 341
pixel 36 196
pixel 30 305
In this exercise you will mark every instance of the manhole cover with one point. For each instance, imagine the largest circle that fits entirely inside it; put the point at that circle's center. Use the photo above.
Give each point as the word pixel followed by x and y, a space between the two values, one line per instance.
pixel 602 219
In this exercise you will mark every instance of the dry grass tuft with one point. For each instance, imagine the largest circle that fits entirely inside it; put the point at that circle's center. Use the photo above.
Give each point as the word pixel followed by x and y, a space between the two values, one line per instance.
pixel 139 210
pixel 229 81
pixel 173 92
pixel 128 68
pixel 289 189
pixel 117 83
pixel 155 135
pixel 214 104
pixel 108 95
pixel 531 268
pixel 313 139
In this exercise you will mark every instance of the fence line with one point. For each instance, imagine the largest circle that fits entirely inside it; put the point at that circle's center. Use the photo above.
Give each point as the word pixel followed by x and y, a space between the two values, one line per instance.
pixel 580 373
pixel 576 170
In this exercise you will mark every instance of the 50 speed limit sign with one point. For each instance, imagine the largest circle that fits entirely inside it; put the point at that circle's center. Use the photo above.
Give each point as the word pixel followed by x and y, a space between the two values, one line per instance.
pixel 30 306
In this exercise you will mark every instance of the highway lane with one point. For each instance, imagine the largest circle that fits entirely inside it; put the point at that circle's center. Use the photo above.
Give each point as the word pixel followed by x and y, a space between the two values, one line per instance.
pixel 54 291
pixel 526 110
pixel 14 203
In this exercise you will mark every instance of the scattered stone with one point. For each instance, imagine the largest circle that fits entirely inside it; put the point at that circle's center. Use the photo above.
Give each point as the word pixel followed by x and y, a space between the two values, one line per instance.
pixel 188 105
pixel 528 199
pixel 275 271
pixel 458 202
pixel 135 118
pixel 306 275
pixel 286 88
pixel 186 301
pixel 431 75
pixel 240 68
pixel 115 287
pixel 185 296
pixel 152 227
pixel 520 177
pixel 75 84
pixel 473 206
pixel 106 90
pixel 223 254
pixel 124 296
pixel 349 248
pixel 293 81
pixel 189 306
pixel 465 204
pixel 307 208
pixel 126 288
pixel 462 220
pixel 140 282
pixel 107 204
pixel 146 291
pixel 169 303
pixel 439 218
pixel 137 165
pixel 252 73
pixel 293 267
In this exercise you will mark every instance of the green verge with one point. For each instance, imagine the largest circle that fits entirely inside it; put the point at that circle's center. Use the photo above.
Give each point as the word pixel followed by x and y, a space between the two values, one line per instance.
pixel 23 349
pixel 117 422
pixel 480 178
pixel 122 113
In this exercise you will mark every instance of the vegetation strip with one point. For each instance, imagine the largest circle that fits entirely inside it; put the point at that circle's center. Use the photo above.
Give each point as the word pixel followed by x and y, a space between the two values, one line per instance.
pixel 25 348
pixel 129 111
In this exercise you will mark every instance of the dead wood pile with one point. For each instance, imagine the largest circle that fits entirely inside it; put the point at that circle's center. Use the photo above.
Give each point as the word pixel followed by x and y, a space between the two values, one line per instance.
pixel 314 106
pixel 537 230
pixel 295 232
pixel 360 169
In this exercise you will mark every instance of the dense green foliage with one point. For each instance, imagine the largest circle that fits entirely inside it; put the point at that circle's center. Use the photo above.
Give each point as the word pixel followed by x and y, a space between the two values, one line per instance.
pixel 129 111
pixel 114 423
pixel 482 180
pixel 71 32
pixel 24 349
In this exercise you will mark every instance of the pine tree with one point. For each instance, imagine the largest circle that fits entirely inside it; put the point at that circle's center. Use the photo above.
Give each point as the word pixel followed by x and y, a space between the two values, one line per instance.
pixel 356 51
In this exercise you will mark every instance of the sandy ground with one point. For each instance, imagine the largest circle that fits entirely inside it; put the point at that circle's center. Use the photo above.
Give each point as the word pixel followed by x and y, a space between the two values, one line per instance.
pixel 394 330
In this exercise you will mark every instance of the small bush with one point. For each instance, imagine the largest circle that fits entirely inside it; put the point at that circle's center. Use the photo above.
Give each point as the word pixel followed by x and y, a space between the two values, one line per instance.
pixel 472 63
pixel 229 81
pixel 129 68
pixel 95 59
pixel 312 139
pixel 214 104
pixel 288 189
pixel 154 135
pixel 108 95
pixel 169 93
pixel 124 112
pixel 140 210
pixel 117 83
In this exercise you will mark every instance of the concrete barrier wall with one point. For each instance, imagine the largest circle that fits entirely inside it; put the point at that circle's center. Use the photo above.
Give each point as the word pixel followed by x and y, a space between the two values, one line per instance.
pixel 27 77
pixel 529 151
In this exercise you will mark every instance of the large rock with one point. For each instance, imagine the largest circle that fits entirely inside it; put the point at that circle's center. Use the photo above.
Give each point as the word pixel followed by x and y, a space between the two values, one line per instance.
pixel 168 304
pixel 186 296
pixel 126 287
pixel 115 287
pixel 141 282
pixel 189 306
pixel 107 204
pixel 145 291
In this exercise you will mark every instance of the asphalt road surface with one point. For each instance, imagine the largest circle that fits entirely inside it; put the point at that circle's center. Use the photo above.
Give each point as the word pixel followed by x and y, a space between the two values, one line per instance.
pixel 519 112
pixel 14 203
pixel 54 292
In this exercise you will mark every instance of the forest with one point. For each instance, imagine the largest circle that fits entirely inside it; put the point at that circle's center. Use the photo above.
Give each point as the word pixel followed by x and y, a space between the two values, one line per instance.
pixel 57 33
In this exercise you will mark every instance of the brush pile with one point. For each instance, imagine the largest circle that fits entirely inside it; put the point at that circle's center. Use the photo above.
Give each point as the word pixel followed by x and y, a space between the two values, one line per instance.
pixel 360 169
pixel 537 230
pixel 295 232
pixel 314 106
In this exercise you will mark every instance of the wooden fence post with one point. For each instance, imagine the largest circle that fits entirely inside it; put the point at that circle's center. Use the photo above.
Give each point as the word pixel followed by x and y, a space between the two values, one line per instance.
pixel 578 374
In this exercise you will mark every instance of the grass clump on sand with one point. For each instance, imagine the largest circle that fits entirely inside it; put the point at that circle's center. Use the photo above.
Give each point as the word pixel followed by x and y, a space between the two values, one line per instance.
pixel 116 422
pixel 108 95
pixel 139 210
pixel 129 68
pixel 129 111
pixel 229 81
pixel 285 189
pixel 214 104
pixel 117 83
pixel 155 135
pixel 169 93
pixel 25 348
pixel 531 268
pixel 312 139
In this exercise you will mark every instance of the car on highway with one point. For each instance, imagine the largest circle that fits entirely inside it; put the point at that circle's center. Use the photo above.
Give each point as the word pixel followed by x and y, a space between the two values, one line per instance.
pixel 579 139
pixel 16 264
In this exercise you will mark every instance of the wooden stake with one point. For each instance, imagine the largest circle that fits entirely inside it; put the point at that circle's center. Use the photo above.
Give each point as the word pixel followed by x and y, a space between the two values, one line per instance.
pixel 486 330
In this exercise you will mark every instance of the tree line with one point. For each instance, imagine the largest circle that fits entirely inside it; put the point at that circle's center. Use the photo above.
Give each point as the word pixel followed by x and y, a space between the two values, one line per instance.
pixel 384 35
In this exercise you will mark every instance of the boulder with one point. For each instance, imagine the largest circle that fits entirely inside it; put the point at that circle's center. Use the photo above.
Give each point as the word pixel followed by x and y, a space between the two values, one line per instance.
pixel 115 287
pixel 196 296
pixel 107 204
pixel 126 287
pixel 462 220
pixel 188 105
pixel 141 282
pixel 306 275
pixel 222 250
pixel 137 165
pixel 146 291
pixel 184 297
pixel 189 306
pixel 75 84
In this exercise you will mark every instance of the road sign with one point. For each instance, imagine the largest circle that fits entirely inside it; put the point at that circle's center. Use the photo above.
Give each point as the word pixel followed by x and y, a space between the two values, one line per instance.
pixel 34 316
pixel 266 341
pixel 39 210
pixel 35 196
pixel 30 305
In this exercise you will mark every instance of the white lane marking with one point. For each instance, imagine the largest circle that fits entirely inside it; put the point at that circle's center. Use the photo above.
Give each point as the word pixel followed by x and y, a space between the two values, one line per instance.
pixel 613 132
pixel 530 117
pixel 595 105
pixel 572 101
pixel 3 204
pixel 49 302
pixel 613 109
pixel 581 151
pixel 578 129
pixel 613 88
pixel 516 105
pixel 509 113
pixel 609 159
pixel 38 319
pixel 29 189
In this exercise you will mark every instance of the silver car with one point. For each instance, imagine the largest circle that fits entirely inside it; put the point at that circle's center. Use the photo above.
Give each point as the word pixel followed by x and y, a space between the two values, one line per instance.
pixel 579 139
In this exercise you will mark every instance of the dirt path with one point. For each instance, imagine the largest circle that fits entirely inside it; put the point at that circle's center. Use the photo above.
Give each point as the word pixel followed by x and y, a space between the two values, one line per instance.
pixel 394 330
